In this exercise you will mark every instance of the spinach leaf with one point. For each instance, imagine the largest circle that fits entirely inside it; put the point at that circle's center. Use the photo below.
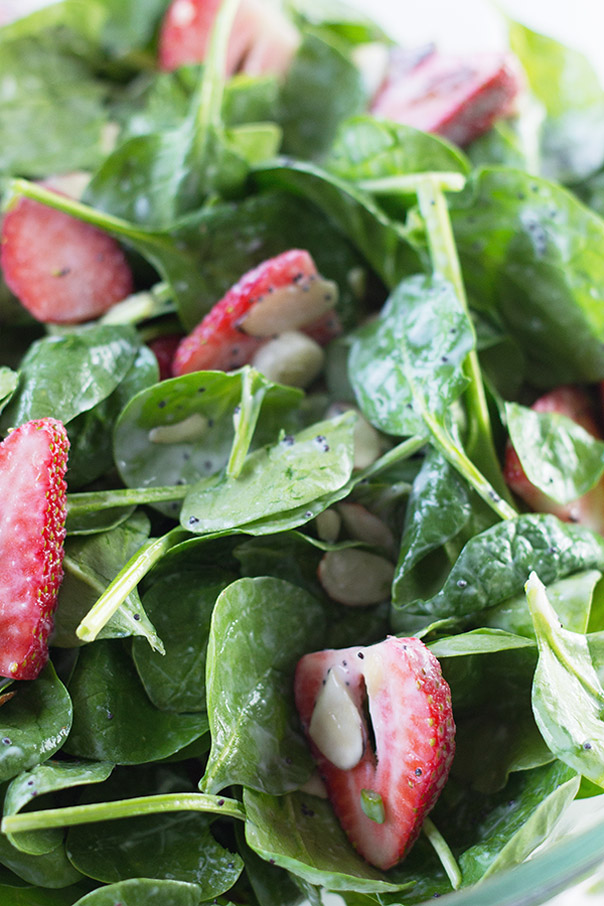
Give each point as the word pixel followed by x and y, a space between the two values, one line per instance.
pixel 114 720
pixel 53 96
pixel 370 149
pixel 478 641
pixel 90 563
pixel 568 699
pixel 182 429
pixel 175 681
pixel 308 114
pixel 8 383
pixel 516 820
pixel 300 833
pixel 565 82
pixel 408 361
pixel 63 376
pixel 34 723
pixel 142 892
pixel 42 779
pixel 91 452
pixel 176 847
pixel 558 455
pixel 382 242
pixel 275 481
pixel 530 253
pixel 48 870
pixel 256 741
pixel 571 598
pixel 494 565
pixel 438 509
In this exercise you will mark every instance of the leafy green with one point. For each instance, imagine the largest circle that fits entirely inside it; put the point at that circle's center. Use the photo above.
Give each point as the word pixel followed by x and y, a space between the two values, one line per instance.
pixel 256 740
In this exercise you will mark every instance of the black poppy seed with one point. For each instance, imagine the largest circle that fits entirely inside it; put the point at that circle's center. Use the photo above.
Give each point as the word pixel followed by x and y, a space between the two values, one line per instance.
pixel 193 520
pixel 109 715
pixel 230 865
pixel 271 861
pixel 321 441
pixel 162 404
pixel 136 617
pixel 587 745
pixel 207 464
pixel 237 410
pixel 308 514
pixel 418 772
pixel 210 423
pixel 7 741
pixel 288 760
pixel 344 664
pixel 30 782
pixel 444 359
pixel 288 440
pixel 201 389
pixel 360 654
pixel 220 802
pixel 461 583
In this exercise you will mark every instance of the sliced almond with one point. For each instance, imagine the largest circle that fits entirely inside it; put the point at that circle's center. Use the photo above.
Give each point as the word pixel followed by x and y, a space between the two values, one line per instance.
pixel 291 358
pixel 365 526
pixel 290 307
pixel 356 577
pixel 368 443
pixel 328 525
pixel 336 727
pixel 189 429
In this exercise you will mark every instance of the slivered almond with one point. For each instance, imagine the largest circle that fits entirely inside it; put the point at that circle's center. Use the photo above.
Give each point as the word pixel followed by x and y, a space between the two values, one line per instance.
pixel 290 307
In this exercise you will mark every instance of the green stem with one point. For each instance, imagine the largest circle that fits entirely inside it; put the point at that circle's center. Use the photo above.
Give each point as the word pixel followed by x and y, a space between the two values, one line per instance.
pixel 80 504
pixel 443 852
pixel 246 419
pixel 126 581
pixel 121 808
pixel 100 219
pixel 141 306
pixel 408 184
pixel 445 261
pixel 402 451
pixel 461 461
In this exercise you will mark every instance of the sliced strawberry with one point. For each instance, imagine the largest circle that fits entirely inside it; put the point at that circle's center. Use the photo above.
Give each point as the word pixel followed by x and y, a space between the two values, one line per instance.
pixel 380 727
pixel 33 461
pixel 62 270
pixel 262 39
pixel 282 294
pixel 459 98
pixel 589 509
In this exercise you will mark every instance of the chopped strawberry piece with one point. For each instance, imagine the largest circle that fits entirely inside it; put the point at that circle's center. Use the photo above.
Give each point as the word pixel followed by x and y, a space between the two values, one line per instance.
pixel 280 294
pixel 262 39
pixel 589 509
pixel 459 98
pixel 164 348
pixel 61 269
pixel 33 461
pixel 383 779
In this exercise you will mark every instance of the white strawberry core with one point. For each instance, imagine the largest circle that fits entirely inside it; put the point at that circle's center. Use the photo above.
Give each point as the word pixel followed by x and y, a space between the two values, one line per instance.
pixel 336 727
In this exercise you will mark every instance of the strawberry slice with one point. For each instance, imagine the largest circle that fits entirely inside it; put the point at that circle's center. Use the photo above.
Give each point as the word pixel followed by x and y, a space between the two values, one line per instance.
pixel 459 98
pixel 164 347
pixel 33 461
pixel 589 509
pixel 62 270
pixel 262 41
pixel 281 294
pixel 380 727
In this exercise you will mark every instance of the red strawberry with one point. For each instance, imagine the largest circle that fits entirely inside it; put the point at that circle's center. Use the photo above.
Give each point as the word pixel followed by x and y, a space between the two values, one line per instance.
pixel 393 770
pixel 281 294
pixel 459 98
pixel 61 269
pixel 164 348
pixel 589 509
pixel 262 39
pixel 33 461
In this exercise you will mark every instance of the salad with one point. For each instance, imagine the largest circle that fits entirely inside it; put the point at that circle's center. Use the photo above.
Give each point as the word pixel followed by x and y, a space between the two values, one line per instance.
pixel 302 468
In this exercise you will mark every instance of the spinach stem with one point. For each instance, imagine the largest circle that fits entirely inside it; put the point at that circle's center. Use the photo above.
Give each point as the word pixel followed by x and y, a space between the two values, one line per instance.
pixel 152 303
pixel 121 808
pixel 126 581
pixel 443 851
pixel 460 461
pixel 246 419
pixel 83 502
pixel 445 261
